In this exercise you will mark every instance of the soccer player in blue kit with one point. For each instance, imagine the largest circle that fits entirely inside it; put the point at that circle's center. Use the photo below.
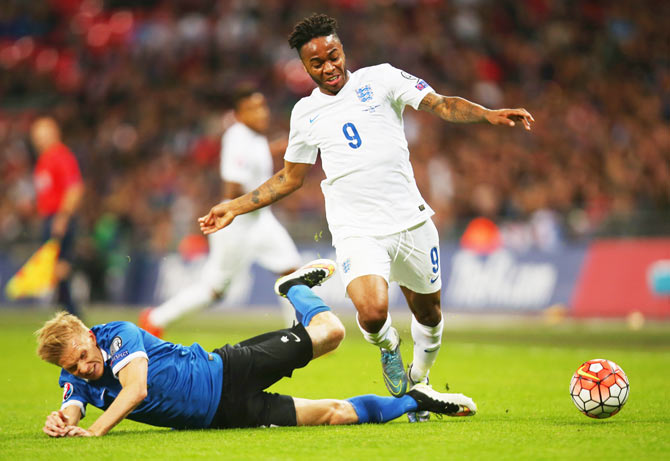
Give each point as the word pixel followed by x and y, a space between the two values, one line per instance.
pixel 381 226
pixel 130 373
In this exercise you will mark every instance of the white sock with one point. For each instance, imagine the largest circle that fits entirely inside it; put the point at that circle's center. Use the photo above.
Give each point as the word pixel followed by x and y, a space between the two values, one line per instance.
pixel 386 338
pixel 190 299
pixel 427 342
pixel 287 311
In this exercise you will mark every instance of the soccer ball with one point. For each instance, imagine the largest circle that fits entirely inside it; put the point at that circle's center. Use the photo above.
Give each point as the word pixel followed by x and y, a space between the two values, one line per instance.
pixel 599 388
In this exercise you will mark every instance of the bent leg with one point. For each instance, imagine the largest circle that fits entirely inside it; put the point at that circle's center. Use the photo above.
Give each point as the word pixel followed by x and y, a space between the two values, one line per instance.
pixel 369 294
pixel 323 327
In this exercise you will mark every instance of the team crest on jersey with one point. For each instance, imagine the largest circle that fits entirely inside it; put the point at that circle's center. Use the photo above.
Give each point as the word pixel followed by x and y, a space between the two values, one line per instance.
pixel 116 345
pixel 364 93
pixel 67 391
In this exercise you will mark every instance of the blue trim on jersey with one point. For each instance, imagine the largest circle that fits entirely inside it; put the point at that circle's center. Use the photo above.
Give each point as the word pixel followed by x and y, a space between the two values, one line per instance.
pixel 183 383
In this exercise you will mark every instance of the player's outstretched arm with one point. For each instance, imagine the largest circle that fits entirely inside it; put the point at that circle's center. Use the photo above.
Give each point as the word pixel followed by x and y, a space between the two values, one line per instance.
pixel 459 110
pixel 133 378
pixel 281 184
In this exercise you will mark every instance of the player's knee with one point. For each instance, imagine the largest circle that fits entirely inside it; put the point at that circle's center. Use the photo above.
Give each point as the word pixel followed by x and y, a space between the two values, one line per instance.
pixel 427 310
pixel 326 331
pixel 430 316
pixel 372 316
pixel 334 333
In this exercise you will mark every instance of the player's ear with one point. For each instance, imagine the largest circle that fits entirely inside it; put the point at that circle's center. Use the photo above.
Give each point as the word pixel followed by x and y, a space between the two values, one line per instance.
pixel 92 336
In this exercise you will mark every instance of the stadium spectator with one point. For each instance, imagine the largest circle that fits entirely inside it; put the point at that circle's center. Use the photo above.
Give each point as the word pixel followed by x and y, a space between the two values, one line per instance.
pixel 59 191
pixel 381 226
pixel 129 373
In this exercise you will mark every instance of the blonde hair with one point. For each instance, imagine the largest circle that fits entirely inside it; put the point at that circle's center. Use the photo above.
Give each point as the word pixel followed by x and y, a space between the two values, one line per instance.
pixel 55 335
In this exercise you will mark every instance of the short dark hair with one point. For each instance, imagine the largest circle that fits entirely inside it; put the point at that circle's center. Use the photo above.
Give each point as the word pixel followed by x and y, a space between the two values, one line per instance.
pixel 317 25
pixel 241 92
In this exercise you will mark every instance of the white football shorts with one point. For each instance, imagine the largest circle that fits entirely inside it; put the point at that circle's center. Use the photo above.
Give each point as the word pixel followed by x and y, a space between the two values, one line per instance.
pixel 253 237
pixel 410 257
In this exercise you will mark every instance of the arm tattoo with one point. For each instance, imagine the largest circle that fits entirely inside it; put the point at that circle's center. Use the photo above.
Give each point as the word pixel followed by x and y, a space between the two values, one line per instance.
pixel 453 109
pixel 266 194
pixel 274 195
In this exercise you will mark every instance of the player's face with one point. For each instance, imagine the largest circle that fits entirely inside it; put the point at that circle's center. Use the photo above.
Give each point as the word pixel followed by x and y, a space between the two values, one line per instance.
pixel 254 112
pixel 324 61
pixel 82 357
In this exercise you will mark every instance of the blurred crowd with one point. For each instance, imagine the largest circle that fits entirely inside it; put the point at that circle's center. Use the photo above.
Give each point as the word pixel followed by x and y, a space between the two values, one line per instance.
pixel 141 90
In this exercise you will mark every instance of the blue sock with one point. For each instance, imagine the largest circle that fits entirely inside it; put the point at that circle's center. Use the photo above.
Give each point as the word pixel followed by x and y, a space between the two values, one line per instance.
pixel 372 408
pixel 306 303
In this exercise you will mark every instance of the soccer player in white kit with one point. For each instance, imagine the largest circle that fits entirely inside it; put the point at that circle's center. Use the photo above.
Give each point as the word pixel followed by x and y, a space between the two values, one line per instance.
pixel 381 226
pixel 246 161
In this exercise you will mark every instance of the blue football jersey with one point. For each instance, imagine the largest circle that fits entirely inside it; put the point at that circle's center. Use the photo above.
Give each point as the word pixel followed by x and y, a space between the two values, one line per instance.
pixel 183 383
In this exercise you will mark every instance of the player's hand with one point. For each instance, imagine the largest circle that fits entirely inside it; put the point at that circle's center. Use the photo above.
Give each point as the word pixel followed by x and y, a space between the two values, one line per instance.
pixel 56 424
pixel 509 117
pixel 76 431
pixel 217 218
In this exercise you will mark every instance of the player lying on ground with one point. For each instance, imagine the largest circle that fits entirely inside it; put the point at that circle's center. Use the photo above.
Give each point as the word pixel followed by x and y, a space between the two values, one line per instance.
pixel 129 373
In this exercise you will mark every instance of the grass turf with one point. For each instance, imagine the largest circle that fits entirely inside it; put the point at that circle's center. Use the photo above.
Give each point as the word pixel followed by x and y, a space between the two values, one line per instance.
pixel 517 373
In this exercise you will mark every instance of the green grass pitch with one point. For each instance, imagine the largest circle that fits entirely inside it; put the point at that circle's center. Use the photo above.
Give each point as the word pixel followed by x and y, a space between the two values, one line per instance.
pixel 518 373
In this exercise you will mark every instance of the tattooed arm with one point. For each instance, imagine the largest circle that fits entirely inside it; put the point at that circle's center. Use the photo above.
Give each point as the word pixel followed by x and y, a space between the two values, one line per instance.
pixel 459 110
pixel 285 181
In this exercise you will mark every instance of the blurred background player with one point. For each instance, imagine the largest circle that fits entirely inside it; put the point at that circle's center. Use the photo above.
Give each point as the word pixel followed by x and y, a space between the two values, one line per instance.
pixel 59 191
pixel 246 161
pixel 381 226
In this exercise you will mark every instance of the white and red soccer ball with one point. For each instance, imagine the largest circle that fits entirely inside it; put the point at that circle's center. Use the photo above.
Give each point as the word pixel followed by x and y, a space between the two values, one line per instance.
pixel 599 388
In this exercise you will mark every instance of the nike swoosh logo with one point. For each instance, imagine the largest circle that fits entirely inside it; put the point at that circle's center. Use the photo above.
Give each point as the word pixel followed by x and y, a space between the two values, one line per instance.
pixel 395 387
pixel 311 120
pixel 297 339
pixel 435 279
pixel 581 372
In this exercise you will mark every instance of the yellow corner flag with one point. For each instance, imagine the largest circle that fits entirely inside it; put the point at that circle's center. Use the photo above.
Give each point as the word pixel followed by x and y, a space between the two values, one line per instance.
pixel 36 277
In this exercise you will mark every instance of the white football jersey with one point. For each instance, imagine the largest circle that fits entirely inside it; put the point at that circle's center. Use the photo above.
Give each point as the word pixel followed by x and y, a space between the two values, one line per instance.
pixel 245 157
pixel 369 187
